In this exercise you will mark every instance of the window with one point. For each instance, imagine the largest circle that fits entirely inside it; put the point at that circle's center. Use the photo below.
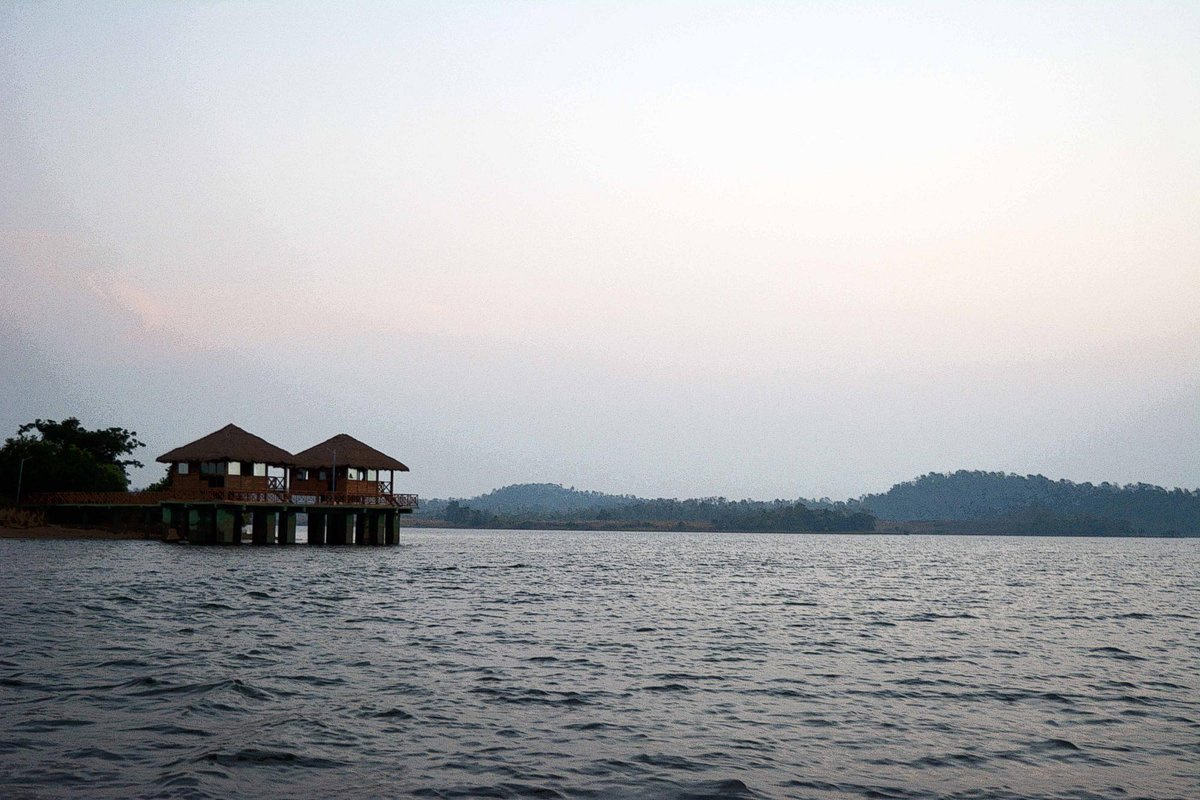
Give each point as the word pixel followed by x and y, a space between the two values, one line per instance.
pixel 260 470
pixel 372 475
pixel 322 476
pixel 351 473
pixel 235 468
pixel 301 474
pixel 181 468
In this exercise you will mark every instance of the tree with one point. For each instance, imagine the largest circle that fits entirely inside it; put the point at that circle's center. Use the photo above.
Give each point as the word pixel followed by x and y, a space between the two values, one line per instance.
pixel 65 456
pixel 162 484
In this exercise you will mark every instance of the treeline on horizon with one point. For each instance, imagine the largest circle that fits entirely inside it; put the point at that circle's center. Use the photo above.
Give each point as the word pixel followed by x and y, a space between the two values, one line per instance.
pixel 1041 504
pixel 698 514
pixel 978 501
pixel 46 455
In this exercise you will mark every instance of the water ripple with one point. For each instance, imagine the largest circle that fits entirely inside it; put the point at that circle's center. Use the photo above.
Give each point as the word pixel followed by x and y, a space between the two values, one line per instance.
pixel 570 665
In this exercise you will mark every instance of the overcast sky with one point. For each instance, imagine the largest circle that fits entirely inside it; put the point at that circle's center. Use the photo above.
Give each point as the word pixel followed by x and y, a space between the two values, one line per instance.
pixel 677 249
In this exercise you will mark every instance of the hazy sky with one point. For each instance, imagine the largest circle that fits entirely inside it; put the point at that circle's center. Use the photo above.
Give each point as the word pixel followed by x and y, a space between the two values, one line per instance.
pixel 747 249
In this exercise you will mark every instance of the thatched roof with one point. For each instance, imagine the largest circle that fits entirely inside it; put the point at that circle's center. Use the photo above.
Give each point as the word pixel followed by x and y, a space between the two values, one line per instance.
pixel 231 443
pixel 347 450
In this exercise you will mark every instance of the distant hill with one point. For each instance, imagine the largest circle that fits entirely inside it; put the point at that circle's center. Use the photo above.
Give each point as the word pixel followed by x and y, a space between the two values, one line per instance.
pixel 536 499
pixel 1039 503
pixel 551 504
pixel 995 502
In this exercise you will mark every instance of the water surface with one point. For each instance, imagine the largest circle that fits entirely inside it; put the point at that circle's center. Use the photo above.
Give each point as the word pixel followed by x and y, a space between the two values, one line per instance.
pixel 589 665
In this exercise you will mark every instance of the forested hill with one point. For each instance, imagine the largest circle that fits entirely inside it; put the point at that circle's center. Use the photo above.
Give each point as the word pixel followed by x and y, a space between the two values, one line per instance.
pixel 539 499
pixel 995 502
pixel 974 495
pixel 551 504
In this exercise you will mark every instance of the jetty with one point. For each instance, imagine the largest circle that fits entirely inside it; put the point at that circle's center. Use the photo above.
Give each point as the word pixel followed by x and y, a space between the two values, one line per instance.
pixel 229 480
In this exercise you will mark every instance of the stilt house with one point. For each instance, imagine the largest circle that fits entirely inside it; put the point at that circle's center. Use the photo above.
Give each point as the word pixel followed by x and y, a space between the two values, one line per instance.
pixel 231 459
pixel 344 465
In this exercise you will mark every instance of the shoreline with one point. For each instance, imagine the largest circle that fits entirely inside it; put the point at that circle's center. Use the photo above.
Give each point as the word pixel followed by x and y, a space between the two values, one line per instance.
pixel 62 532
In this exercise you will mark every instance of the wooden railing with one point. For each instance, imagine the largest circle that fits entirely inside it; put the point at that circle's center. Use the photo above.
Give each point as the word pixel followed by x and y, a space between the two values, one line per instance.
pixel 268 497
pixel 104 498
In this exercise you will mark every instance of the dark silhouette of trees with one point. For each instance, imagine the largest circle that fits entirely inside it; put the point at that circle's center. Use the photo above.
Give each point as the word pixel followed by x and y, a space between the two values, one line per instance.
pixel 1037 504
pixel 531 505
pixel 65 456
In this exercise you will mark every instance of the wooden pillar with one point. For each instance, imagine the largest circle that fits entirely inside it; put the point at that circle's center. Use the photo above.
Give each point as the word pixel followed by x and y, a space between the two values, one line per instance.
pixel 362 530
pixel 316 527
pixel 262 526
pixel 287 526
pixel 377 523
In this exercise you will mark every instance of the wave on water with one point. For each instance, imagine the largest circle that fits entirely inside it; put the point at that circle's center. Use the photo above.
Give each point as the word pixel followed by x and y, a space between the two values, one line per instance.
pixel 572 665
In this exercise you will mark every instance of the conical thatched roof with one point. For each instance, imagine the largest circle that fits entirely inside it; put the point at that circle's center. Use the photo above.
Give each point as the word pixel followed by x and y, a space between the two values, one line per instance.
pixel 347 450
pixel 230 443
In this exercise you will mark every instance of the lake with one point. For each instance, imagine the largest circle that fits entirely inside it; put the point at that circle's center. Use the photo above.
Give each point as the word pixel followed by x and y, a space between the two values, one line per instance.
pixel 595 665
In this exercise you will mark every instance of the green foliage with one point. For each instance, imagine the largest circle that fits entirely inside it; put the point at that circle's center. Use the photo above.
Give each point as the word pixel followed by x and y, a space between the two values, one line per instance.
pixel 531 505
pixel 780 516
pixel 65 456
pixel 1037 504
pixel 542 498
pixel 466 517
pixel 162 484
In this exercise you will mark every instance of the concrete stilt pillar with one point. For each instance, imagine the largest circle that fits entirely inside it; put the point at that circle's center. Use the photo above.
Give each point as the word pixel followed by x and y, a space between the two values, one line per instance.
pixel 378 526
pixel 287 526
pixel 208 524
pixel 229 529
pixel 392 525
pixel 332 533
pixel 167 521
pixel 341 527
pixel 316 527
pixel 362 532
pixel 262 526
pixel 198 530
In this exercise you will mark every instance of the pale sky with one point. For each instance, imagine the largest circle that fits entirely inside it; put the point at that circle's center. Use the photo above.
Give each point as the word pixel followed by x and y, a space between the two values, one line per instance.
pixel 678 249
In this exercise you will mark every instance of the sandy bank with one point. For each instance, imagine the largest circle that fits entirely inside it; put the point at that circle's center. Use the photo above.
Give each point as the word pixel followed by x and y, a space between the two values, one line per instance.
pixel 60 532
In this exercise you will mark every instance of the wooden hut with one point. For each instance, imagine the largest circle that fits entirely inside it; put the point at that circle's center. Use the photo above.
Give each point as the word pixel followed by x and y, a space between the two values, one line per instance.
pixel 230 459
pixel 344 465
